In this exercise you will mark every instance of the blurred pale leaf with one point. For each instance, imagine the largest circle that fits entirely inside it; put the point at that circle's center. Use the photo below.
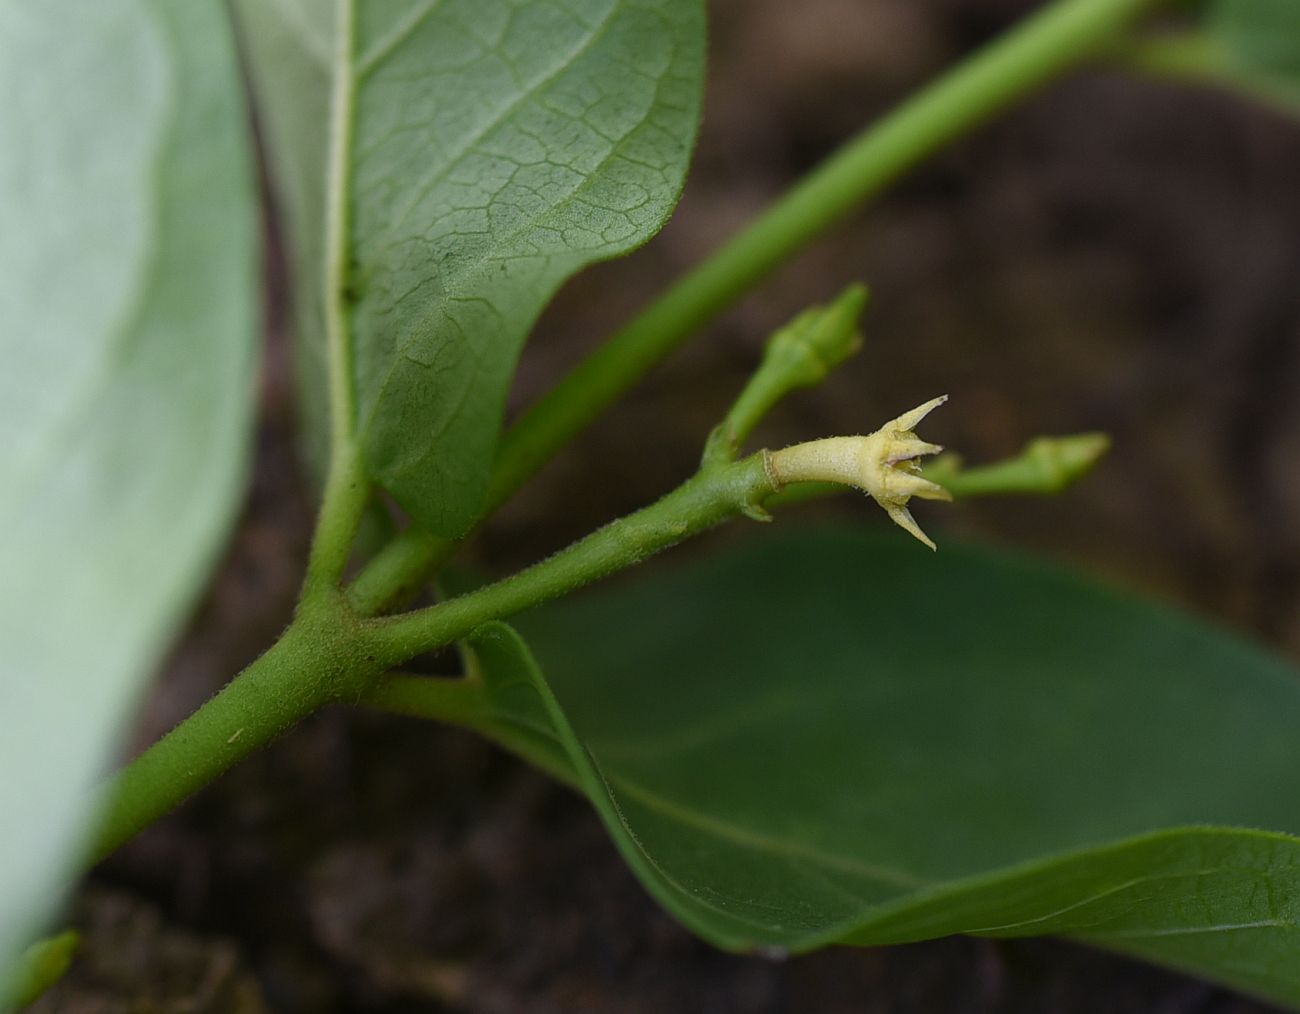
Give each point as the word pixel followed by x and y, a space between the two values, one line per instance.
pixel 128 302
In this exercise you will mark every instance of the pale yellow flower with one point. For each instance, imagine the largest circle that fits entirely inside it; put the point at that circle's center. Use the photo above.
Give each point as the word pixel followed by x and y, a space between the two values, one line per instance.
pixel 883 464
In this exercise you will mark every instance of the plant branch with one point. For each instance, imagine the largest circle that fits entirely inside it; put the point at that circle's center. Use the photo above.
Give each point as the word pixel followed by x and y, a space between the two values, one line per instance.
pixel 1063 35
pixel 395 574
pixel 701 502
pixel 800 354
pixel 343 505
pixel 325 655
pixel 1059 37
pixel 330 655
pixel 1046 466
pixel 459 701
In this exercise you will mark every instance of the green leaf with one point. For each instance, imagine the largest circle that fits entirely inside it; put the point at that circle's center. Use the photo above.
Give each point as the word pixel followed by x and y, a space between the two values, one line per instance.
pixel 497 147
pixel 1254 47
pixel 42 966
pixel 836 738
pixel 1248 46
pixel 129 305
pixel 1262 41
pixel 516 708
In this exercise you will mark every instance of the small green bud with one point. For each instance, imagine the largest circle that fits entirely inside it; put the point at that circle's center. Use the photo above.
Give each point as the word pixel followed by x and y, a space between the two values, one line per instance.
pixel 800 354
pixel 1046 465
pixel 818 340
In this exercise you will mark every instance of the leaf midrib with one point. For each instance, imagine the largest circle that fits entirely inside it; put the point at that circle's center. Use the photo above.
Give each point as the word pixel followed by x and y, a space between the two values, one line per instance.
pixel 390 43
pixel 759 841
pixel 336 271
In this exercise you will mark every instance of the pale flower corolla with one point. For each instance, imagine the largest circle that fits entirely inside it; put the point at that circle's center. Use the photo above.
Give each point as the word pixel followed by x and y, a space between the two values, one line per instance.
pixel 884 464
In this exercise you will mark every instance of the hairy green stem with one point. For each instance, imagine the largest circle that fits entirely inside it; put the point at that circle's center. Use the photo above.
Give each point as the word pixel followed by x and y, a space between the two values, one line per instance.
pixel 325 655
pixel 800 354
pixel 395 574
pixel 460 701
pixel 1060 37
pixel 347 492
pixel 699 503
pixel 329 654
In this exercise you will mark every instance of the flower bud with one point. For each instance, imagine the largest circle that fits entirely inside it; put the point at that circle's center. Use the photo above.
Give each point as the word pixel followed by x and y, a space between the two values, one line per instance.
pixel 883 464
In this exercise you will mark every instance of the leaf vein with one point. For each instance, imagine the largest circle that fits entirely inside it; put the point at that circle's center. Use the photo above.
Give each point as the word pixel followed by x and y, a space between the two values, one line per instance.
pixel 759 841
pixel 386 46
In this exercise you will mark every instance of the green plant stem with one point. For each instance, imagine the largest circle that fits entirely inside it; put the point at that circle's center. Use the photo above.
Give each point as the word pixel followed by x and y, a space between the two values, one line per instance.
pixel 329 654
pixel 701 502
pixel 325 655
pixel 347 493
pixel 460 701
pixel 1047 465
pixel 1063 35
pixel 394 575
pixel 800 354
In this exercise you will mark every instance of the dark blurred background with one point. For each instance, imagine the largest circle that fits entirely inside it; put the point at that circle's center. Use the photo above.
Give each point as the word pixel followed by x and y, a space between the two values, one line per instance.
pixel 1115 254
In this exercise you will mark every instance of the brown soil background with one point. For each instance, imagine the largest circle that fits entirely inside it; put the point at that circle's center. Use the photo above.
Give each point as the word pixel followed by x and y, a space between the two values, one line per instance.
pixel 1115 254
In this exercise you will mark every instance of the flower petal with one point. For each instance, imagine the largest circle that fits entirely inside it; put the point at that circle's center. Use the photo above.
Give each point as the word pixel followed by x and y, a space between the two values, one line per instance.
pixel 903 518
pixel 909 420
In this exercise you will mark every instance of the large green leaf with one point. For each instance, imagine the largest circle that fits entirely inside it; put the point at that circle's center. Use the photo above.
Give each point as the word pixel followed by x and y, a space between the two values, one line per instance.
pixel 128 310
pixel 836 738
pixel 497 147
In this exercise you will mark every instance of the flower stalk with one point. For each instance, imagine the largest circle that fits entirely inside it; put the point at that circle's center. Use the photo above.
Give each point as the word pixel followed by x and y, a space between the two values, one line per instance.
pixel 800 354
